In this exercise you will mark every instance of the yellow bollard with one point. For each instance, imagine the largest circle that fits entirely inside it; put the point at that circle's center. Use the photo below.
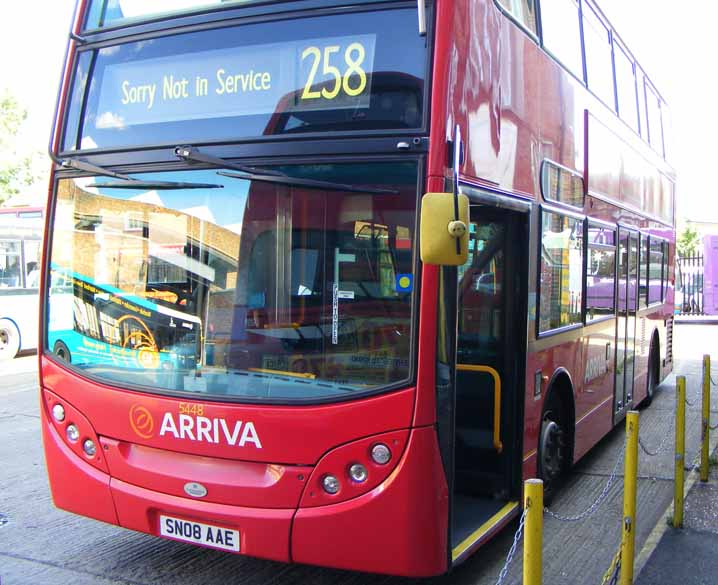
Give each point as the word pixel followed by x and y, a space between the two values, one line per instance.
pixel 533 532
pixel 679 474
pixel 630 484
pixel 705 426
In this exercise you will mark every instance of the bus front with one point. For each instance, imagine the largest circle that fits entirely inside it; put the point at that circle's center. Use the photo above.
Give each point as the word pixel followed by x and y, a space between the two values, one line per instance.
pixel 231 278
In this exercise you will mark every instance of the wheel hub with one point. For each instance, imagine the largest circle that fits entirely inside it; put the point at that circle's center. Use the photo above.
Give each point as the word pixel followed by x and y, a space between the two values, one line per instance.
pixel 552 442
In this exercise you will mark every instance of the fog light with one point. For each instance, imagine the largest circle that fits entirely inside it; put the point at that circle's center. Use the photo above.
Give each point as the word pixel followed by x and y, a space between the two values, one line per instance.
pixel 380 453
pixel 58 412
pixel 358 473
pixel 330 484
pixel 89 447
pixel 72 433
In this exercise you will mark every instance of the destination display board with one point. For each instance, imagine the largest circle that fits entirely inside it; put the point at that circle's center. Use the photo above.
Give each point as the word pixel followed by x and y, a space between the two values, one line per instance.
pixel 342 72
pixel 330 73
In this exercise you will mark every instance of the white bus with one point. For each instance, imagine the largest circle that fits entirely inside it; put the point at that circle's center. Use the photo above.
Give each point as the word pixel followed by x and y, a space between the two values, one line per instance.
pixel 20 251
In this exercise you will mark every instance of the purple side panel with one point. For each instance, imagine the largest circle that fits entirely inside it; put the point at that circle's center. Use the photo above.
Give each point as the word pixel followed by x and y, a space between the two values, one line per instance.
pixel 710 275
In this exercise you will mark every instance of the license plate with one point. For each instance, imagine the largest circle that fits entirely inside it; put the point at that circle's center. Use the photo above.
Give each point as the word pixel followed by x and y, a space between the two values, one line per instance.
pixel 199 533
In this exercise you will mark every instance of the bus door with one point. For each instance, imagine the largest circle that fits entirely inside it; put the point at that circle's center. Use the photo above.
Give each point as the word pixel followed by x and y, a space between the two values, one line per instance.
pixel 627 284
pixel 490 363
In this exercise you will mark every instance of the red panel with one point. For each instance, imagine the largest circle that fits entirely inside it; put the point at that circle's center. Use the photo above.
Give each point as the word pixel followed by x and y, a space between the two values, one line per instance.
pixel 76 485
pixel 282 434
pixel 73 417
pixel 263 532
pixel 227 481
pixel 338 462
pixel 400 527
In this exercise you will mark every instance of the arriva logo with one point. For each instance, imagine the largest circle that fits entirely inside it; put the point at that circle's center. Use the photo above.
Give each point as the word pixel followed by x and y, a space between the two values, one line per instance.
pixel 141 421
pixel 209 430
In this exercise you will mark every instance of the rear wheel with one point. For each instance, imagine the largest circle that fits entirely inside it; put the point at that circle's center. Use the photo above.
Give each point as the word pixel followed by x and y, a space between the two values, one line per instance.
pixel 553 448
pixel 9 339
pixel 652 379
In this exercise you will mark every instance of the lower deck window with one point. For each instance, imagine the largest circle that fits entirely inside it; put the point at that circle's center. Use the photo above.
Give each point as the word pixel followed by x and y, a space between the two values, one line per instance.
pixel 561 275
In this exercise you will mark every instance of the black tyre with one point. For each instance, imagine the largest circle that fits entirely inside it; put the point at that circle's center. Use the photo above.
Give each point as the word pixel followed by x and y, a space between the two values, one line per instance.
pixel 652 380
pixel 553 448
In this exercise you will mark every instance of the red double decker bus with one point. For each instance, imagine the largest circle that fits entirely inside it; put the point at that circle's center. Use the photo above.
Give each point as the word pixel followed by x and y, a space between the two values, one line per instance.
pixel 330 279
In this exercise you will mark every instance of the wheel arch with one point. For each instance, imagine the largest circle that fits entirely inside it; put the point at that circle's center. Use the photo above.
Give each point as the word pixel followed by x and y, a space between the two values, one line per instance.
pixel 560 388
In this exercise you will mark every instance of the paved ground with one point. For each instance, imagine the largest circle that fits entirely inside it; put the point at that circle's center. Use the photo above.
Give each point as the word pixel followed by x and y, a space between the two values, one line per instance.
pixel 41 545
pixel 688 555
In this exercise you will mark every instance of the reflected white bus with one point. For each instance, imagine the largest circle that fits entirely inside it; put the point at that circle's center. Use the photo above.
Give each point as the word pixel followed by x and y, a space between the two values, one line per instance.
pixel 20 251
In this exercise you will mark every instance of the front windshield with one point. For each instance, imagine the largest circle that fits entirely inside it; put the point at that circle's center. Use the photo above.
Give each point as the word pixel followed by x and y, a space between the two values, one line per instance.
pixel 252 290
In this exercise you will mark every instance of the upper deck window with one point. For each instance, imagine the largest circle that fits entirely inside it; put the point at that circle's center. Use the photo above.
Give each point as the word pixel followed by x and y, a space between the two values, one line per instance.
pixel 655 131
pixel 524 11
pixel 345 72
pixel 107 13
pixel 561 34
pixel 599 62
pixel 626 86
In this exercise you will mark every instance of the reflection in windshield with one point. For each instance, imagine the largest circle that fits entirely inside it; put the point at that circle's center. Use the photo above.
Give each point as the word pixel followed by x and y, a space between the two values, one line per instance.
pixel 253 290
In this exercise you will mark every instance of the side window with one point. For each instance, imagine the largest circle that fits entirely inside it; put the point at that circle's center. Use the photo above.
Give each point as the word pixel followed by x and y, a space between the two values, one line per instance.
pixel 10 264
pixel 642 272
pixel 524 11
pixel 600 272
pixel 32 263
pixel 656 266
pixel 561 184
pixel 561 34
pixel 561 284
pixel 655 132
pixel 599 61
pixel 626 87
pixel 667 131
pixel 665 270
pixel 642 115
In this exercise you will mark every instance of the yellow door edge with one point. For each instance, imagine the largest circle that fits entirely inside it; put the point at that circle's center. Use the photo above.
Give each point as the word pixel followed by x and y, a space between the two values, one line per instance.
pixel 483 530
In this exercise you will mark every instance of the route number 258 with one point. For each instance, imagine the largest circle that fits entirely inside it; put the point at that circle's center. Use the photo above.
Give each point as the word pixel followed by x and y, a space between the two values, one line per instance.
pixel 352 81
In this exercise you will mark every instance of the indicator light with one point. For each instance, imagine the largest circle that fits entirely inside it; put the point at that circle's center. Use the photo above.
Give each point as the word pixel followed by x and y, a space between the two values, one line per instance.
pixel 58 412
pixel 380 454
pixel 89 447
pixel 72 433
pixel 330 484
pixel 358 473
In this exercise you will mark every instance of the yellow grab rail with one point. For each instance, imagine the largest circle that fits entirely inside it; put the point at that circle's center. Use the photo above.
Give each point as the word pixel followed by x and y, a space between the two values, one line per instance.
pixel 497 399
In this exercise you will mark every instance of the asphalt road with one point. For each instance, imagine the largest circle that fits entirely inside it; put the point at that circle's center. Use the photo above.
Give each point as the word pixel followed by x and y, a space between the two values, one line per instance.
pixel 42 545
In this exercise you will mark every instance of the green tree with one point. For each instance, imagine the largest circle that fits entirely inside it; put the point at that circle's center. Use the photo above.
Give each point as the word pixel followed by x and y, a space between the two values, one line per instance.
pixel 16 162
pixel 688 242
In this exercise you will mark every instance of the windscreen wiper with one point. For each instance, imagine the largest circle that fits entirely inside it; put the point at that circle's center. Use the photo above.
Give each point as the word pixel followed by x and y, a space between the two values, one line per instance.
pixel 248 173
pixel 130 182
pixel 190 153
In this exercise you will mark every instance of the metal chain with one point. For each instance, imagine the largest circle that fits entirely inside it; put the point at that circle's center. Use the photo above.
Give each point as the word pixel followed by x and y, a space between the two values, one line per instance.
pixel 661 447
pixel 614 570
pixel 597 502
pixel 512 551
pixel 689 403
pixel 694 463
